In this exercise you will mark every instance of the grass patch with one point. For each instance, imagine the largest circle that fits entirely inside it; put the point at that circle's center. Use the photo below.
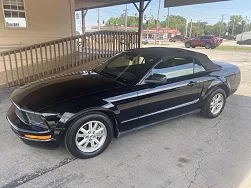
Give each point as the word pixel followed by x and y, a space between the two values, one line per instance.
pixel 233 48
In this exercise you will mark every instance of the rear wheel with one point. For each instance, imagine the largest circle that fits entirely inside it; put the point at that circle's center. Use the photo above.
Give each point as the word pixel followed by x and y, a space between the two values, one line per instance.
pixel 188 44
pixel 214 104
pixel 207 45
pixel 89 136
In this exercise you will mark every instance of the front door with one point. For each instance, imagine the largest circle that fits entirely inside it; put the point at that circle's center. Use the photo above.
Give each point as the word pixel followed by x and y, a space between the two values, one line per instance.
pixel 178 95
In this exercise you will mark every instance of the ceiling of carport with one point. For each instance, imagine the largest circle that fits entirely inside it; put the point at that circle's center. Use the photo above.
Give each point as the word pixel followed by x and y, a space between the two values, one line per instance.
pixel 90 4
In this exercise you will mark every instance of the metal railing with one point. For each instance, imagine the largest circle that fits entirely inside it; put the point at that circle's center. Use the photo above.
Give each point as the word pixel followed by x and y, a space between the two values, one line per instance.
pixel 26 64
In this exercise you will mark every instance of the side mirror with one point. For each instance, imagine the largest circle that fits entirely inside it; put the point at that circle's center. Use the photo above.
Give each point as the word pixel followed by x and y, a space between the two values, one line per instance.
pixel 156 79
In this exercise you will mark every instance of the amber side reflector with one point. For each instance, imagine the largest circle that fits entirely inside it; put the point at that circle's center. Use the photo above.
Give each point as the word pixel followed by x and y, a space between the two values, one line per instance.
pixel 47 137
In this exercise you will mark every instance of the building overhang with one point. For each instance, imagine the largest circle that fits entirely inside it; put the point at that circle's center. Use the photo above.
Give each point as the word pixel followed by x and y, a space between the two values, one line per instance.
pixel 175 3
pixel 91 4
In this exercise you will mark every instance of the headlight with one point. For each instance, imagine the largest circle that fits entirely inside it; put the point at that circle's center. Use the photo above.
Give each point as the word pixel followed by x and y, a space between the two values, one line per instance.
pixel 35 119
pixel 31 118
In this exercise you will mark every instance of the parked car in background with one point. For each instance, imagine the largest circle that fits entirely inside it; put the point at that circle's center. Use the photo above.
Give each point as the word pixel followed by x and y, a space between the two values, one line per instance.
pixel 207 41
pixel 180 38
pixel 131 90
pixel 244 42
pixel 145 41
pixel 220 40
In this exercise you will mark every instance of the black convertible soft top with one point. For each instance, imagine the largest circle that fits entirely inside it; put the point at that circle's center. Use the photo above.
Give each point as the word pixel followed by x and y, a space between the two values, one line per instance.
pixel 167 53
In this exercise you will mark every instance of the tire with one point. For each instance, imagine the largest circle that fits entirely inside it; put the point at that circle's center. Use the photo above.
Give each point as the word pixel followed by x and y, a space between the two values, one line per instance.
pixel 208 46
pixel 206 109
pixel 187 44
pixel 74 137
pixel 170 40
pixel 213 47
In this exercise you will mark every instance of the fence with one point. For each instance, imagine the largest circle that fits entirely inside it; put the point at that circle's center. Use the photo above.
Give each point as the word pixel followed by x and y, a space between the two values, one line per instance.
pixel 23 65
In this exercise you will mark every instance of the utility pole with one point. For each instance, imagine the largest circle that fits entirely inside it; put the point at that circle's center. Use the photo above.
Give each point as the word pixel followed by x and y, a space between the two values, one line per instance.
pixel 244 28
pixel 126 17
pixel 98 20
pixel 222 17
pixel 157 31
pixel 186 27
pixel 168 20
pixel 198 27
pixel 233 28
pixel 83 12
pixel 191 28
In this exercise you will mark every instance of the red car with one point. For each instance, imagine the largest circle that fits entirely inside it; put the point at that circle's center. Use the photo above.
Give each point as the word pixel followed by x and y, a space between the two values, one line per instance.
pixel 207 41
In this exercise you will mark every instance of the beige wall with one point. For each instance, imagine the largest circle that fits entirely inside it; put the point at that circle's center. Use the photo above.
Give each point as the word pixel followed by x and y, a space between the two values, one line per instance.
pixel 46 20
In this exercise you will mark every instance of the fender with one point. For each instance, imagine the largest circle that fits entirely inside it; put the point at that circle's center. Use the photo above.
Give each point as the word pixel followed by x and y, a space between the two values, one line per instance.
pixel 67 118
pixel 220 82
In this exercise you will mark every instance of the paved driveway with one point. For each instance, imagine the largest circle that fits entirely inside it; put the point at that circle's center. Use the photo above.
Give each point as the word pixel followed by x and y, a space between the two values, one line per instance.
pixel 187 152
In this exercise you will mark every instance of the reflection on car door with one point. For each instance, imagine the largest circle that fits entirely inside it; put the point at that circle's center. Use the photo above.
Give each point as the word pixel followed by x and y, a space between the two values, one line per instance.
pixel 182 91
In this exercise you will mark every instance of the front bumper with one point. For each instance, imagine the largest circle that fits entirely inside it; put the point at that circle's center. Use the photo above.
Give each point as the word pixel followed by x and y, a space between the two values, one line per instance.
pixel 27 131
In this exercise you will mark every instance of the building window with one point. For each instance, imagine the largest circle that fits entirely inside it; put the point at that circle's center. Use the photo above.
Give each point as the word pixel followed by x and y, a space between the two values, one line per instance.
pixel 14 13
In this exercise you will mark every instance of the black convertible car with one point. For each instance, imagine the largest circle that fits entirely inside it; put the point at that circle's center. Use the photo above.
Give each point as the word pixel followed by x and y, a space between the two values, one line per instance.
pixel 133 89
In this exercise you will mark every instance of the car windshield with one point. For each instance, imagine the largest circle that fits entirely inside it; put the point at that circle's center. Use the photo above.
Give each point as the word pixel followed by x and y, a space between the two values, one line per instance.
pixel 127 67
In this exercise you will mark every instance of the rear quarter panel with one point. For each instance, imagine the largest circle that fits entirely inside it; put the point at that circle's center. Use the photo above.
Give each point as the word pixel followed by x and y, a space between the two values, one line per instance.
pixel 229 74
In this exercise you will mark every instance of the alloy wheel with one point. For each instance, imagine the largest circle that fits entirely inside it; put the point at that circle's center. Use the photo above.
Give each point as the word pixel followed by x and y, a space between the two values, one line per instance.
pixel 91 136
pixel 216 104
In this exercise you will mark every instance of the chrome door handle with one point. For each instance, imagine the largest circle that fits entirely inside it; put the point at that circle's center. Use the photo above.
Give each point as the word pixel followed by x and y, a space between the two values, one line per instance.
pixel 192 83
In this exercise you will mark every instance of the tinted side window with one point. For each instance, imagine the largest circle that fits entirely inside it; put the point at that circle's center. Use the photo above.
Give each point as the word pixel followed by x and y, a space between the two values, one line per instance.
pixel 198 67
pixel 175 67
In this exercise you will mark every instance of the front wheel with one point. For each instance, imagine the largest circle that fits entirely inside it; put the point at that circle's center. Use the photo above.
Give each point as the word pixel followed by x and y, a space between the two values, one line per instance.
pixel 89 136
pixel 207 45
pixel 188 44
pixel 214 104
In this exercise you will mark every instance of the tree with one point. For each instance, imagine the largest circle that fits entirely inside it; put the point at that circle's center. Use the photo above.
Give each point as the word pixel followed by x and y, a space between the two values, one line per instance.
pixel 176 22
pixel 179 23
pixel 235 25
pixel 131 21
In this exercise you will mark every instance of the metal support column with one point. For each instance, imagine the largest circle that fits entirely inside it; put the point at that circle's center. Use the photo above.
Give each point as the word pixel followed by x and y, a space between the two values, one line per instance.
pixel 141 9
pixel 141 12
pixel 84 12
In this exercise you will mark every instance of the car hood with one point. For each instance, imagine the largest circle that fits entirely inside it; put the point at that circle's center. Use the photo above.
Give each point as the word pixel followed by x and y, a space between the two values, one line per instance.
pixel 54 90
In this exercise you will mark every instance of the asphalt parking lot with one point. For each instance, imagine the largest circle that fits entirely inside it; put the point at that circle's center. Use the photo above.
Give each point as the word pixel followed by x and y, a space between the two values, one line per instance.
pixel 189 152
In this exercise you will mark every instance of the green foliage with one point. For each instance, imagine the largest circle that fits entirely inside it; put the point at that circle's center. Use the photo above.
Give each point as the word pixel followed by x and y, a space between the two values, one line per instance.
pixel 176 22
pixel 179 23
pixel 131 21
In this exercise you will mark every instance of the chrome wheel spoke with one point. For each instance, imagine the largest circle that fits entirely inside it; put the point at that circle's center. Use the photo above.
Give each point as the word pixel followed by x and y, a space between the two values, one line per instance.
pixel 92 143
pixel 95 126
pixel 96 141
pixel 99 132
pixel 81 135
pixel 84 131
pixel 82 142
pixel 89 126
pixel 85 146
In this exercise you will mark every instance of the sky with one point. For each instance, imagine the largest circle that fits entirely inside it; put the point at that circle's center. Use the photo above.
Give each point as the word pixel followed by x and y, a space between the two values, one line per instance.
pixel 209 12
